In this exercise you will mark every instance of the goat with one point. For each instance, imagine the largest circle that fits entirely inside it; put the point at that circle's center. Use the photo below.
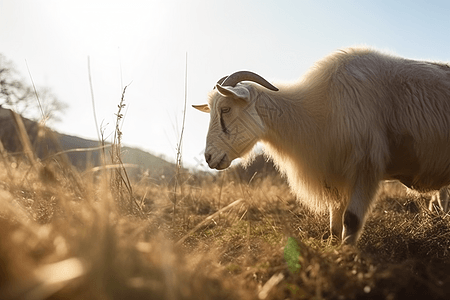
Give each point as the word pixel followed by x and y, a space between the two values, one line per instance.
pixel 356 118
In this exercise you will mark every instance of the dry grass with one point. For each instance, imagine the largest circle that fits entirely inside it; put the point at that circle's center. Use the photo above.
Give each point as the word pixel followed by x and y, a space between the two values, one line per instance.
pixel 69 236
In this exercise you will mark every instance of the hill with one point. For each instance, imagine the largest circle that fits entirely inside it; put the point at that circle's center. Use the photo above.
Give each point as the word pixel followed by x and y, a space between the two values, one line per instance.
pixel 47 142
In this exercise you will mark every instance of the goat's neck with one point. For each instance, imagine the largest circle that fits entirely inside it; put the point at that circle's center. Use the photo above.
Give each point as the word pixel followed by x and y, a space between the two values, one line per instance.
pixel 286 121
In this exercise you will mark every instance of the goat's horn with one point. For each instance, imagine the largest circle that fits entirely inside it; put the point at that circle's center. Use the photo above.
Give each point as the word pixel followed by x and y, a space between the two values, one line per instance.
pixel 237 77
pixel 222 80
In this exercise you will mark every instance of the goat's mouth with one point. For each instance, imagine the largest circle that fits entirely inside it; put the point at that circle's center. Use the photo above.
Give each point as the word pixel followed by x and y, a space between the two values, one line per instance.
pixel 222 164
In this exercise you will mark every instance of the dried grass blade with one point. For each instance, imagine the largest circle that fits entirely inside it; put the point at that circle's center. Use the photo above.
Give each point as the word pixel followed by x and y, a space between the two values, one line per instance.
pixel 207 219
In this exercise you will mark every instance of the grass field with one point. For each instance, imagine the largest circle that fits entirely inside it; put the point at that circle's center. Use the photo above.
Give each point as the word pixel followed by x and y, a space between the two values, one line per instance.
pixel 96 235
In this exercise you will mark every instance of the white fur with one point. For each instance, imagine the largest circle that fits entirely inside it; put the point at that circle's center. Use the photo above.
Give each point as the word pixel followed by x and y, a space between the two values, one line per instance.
pixel 356 118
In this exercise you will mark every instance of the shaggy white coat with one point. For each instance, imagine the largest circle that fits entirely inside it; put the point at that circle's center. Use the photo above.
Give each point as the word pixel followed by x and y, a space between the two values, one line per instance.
pixel 357 117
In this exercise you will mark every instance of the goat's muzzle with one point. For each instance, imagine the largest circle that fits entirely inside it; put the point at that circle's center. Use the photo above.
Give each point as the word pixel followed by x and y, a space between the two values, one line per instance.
pixel 218 162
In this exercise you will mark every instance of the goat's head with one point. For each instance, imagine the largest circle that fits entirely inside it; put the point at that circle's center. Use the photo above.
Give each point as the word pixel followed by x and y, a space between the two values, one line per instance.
pixel 235 125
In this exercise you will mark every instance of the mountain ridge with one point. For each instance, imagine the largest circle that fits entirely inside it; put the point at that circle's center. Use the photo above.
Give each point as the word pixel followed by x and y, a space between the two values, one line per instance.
pixel 47 142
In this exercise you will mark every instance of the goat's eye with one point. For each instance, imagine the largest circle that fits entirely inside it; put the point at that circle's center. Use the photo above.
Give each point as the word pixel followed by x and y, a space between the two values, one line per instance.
pixel 224 110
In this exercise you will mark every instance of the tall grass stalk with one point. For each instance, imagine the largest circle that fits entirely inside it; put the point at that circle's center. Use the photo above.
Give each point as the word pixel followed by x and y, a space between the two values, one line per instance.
pixel 92 97
pixel 24 139
pixel 179 161
pixel 5 161
pixel 44 117
pixel 120 181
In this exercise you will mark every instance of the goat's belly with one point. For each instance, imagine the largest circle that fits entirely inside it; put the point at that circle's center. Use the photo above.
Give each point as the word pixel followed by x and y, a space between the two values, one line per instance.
pixel 405 166
pixel 421 183
pixel 407 169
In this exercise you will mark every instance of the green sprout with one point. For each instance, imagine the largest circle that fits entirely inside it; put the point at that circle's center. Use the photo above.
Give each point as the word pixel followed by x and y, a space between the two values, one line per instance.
pixel 292 255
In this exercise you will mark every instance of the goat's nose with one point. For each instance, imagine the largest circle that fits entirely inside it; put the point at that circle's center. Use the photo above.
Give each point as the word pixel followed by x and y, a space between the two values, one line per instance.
pixel 207 157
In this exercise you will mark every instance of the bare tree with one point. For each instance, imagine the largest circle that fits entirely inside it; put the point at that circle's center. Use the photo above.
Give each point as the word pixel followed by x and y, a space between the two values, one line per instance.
pixel 16 94
pixel 13 92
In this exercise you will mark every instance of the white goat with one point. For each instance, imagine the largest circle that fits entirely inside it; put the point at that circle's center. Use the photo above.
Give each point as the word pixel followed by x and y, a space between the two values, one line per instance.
pixel 356 118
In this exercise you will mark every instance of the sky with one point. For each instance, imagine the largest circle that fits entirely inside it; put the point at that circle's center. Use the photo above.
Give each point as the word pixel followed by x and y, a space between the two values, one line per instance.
pixel 144 44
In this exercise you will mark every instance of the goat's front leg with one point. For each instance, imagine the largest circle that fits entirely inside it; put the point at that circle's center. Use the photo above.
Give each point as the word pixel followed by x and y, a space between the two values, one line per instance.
pixel 355 215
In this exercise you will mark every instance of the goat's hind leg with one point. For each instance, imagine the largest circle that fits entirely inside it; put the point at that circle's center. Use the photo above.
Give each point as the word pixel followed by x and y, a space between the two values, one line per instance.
pixel 443 198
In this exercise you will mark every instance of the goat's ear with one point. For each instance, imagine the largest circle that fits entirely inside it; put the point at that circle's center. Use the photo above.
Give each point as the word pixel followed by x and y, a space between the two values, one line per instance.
pixel 204 108
pixel 239 92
